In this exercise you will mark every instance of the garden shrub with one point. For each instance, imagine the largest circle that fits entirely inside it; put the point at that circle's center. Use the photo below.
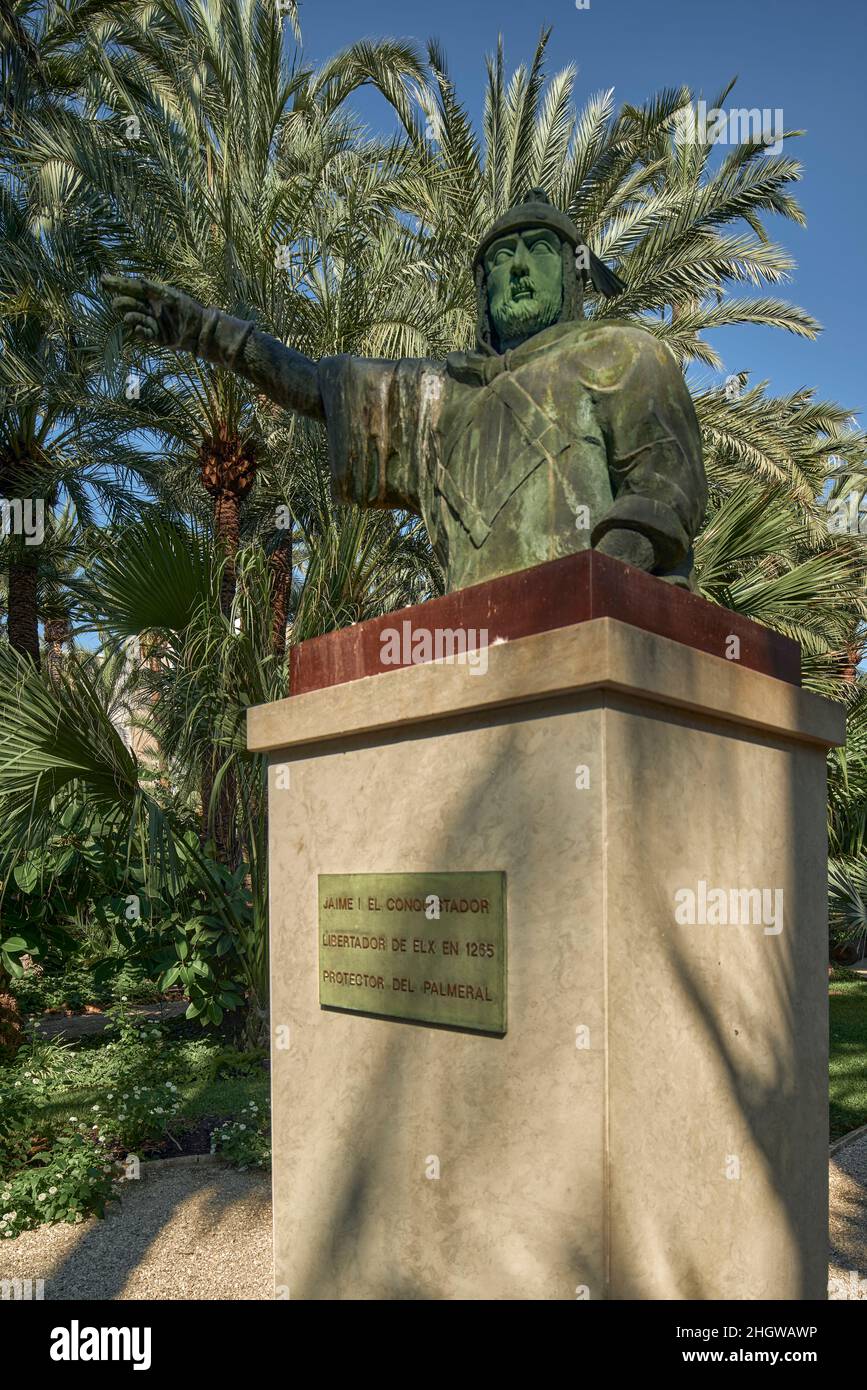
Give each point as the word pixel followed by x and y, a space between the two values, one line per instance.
pixel 245 1141
pixel 62 1167
pixel 72 1180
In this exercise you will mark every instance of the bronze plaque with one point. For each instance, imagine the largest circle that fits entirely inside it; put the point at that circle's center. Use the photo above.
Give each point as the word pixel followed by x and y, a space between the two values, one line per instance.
pixel 427 947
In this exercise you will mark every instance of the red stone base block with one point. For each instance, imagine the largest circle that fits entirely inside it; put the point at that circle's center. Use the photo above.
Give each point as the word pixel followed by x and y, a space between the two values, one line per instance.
pixel 575 589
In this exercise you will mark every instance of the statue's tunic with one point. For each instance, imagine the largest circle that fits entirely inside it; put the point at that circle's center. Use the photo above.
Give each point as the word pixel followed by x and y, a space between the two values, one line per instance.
pixel 516 459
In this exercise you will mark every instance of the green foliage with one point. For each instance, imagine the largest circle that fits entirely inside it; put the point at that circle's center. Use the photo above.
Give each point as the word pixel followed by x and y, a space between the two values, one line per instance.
pixel 43 1176
pixel 70 1115
pixel 209 948
pixel 245 1141
pixel 842 975
pixel 71 1181
pixel 132 984
pixel 847 903
pixel 138 1050
pixel 74 988
pixel 136 1116
pixel 42 1066
pixel 160 861
pixel 228 1061
pixel 848 1006
pixel 16 1118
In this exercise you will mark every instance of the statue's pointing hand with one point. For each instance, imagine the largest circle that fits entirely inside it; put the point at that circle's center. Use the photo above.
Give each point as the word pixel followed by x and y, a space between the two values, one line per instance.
pixel 156 313
pixel 165 317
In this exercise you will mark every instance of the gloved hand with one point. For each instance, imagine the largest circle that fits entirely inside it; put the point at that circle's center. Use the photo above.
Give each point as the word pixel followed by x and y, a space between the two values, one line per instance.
pixel 157 313
pixel 630 547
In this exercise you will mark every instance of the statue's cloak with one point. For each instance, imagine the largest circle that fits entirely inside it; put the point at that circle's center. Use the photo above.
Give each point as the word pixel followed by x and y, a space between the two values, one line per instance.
pixel 527 456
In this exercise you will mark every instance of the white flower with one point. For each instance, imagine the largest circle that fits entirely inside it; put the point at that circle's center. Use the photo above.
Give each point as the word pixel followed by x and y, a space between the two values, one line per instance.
pixel 42 1197
pixel 94 1107
pixel 52 1190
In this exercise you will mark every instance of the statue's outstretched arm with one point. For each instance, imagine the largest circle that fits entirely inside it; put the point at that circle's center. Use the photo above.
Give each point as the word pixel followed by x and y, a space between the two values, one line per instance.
pixel 161 315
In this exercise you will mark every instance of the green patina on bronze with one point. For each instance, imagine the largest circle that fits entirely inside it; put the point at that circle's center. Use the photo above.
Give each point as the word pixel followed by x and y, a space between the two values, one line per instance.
pixel 555 434
pixel 427 947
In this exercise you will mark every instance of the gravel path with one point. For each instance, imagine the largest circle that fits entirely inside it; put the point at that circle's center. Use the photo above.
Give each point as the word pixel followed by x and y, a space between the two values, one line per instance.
pixel 203 1230
pixel 183 1231
pixel 848 1227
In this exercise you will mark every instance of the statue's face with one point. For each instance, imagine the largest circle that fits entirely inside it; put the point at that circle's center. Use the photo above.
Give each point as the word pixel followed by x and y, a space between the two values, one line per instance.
pixel 524 273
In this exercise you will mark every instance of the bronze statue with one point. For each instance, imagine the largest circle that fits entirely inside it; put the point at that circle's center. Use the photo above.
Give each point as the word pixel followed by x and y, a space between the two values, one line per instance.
pixel 555 434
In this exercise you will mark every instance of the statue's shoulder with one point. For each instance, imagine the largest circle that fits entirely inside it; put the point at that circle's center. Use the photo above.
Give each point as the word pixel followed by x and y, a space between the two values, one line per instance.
pixel 605 355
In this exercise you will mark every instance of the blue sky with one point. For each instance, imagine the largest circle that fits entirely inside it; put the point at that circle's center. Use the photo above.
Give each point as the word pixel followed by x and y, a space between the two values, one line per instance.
pixel 808 59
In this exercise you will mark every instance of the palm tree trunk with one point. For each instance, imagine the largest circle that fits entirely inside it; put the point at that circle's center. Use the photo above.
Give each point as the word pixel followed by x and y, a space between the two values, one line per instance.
pixel 57 633
pixel 227 510
pixel 23 620
pixel 227 468
pixel 281 582
pixel 228 471
pixel 853 659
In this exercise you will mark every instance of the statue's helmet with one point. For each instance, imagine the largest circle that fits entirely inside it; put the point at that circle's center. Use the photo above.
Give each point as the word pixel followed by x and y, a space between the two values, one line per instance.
pixel 580 265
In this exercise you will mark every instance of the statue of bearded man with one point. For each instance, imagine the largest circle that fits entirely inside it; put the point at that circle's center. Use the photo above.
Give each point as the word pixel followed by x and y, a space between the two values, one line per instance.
pixel 554 435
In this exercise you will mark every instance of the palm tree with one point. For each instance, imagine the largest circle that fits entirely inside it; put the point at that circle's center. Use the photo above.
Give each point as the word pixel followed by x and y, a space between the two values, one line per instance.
pixel 767 549
pixel 62 552
pixel 60 747
pixel 641 197
pixel 235 146
pixel 237 158
pixel 683 236
pixel 250 187
pixel 56 442
pixel 847 832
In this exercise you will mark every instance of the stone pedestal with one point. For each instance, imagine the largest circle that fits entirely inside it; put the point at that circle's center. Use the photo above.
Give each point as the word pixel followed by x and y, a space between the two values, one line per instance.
pixel 653 1123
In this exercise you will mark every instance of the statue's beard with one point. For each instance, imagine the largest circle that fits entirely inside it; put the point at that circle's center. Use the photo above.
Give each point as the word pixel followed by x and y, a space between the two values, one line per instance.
pixel 520 318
